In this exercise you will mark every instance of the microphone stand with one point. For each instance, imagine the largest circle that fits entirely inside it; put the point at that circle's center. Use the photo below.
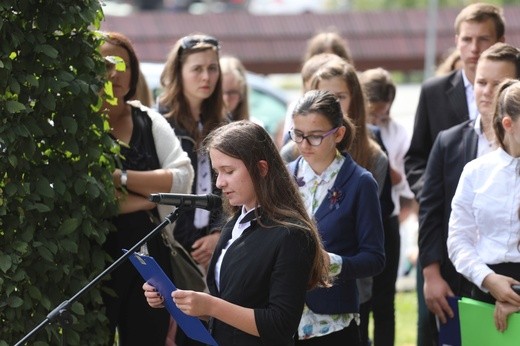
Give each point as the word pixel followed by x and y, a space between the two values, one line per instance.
pixel 61 311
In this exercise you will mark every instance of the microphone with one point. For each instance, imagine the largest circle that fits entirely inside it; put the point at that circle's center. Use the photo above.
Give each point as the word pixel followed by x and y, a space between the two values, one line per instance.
pixel 208 202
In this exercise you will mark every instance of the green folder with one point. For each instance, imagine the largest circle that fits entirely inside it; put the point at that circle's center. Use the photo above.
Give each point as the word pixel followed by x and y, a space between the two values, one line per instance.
pixel 477 325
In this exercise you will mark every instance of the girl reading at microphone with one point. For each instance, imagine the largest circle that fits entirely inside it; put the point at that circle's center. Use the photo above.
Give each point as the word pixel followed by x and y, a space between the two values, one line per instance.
pixel 269 252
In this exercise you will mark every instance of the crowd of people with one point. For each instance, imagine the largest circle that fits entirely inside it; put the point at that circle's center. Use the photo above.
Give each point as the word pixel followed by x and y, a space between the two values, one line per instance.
pixel 307 243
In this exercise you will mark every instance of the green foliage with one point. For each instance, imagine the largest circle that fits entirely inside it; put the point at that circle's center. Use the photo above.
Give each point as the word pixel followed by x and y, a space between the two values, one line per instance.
pixel 56 159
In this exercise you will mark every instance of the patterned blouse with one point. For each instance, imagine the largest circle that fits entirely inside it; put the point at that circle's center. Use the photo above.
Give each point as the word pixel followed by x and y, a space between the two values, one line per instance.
pixel 314 189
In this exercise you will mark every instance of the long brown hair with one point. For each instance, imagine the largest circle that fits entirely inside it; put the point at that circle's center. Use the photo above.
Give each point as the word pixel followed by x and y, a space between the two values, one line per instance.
pixel 364 149
pixel 276 191
pixel 173 99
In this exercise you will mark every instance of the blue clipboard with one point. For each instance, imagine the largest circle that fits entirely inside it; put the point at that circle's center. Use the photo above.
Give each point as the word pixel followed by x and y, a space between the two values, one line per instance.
pixel 449 332
pixel 154 275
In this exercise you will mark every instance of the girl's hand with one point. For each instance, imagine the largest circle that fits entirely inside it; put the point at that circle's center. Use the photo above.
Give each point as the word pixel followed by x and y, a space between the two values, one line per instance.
pixel 192 303
pixel 500 288
pixel 154 298
pixel 502 312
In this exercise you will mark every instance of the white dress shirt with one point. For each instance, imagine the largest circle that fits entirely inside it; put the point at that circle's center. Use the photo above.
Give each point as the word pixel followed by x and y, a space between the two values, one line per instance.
pixel 484 226
pixel 237 231
pixel 470 97
pixel 397 141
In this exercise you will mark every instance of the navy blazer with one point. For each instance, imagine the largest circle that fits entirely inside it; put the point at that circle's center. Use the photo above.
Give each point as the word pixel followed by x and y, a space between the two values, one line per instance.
pixel 266 269
pixel 452 149
pixel 442 104
pixel 353 229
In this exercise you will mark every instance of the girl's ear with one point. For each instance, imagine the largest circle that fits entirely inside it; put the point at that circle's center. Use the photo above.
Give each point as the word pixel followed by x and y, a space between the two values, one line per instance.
pixel 340 134
pixel 507 123
pixel 263 167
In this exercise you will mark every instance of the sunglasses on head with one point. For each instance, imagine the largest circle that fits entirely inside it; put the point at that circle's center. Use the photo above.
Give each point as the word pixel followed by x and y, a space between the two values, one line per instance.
pixel 189 42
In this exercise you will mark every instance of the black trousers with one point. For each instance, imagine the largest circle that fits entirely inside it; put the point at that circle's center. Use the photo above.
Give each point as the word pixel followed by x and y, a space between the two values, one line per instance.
pixel 383 291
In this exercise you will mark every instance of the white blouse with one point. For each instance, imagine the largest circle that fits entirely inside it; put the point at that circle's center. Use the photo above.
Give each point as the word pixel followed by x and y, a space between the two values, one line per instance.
pixel 484 226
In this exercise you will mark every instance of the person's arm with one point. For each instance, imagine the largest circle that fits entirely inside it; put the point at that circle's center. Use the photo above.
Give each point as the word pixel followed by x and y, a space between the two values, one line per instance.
pixel 129 202
pixel 170 154
pixel 144 183
pixel 417 155
pixel 175 174
pixel 203 248
pixel 431 233
pixel 463 232
pixel 370 258
pixel 380 170
pixel 502 312
pixel 202 304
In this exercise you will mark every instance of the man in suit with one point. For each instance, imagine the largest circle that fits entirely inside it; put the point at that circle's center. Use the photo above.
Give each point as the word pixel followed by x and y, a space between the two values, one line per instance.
pixel 452 149
pixel 447 101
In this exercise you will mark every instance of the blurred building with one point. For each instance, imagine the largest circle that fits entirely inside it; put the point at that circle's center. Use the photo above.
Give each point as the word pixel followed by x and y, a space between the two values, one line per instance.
pixel 268 44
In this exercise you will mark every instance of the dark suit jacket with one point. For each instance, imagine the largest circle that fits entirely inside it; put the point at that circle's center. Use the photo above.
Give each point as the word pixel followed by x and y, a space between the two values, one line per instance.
pixel 350 227
pixel 452 149
pixel 266 269
pixel 442 104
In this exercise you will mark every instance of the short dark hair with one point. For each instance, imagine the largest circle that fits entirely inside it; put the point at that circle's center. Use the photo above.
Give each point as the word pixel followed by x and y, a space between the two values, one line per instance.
pixel 325 103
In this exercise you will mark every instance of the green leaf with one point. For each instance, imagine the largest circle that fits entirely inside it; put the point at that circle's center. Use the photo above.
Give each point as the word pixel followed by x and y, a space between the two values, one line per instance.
pixel 78 308
pixel 42 208
pixel 43 187
pixel 48 101
pixel 69 245
pixel 14 106
pixel 20 246
pixel 68 226
pixel 13 160
pixel 48 50
pixel 5 263
pixel 70 125
pixel 14 301
pixel 45 253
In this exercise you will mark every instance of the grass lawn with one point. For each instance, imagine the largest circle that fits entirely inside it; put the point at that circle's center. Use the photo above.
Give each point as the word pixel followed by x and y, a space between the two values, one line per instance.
pixel 405 319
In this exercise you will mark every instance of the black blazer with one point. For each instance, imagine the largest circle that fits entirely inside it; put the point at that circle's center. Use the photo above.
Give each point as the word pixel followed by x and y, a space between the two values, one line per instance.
pixel 266 269
pixel 452 149
pixel 442 104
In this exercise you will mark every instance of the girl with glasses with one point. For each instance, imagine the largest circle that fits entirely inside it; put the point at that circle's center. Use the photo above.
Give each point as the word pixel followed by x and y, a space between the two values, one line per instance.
pixel 342 197
pixel 269 252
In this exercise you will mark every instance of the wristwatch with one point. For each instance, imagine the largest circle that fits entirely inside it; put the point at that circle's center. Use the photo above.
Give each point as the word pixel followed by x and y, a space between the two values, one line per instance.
pixel 124 178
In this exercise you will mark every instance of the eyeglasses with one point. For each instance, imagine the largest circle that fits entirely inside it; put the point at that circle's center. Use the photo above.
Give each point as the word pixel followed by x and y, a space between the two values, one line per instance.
pixel 313 140
pixel 189 42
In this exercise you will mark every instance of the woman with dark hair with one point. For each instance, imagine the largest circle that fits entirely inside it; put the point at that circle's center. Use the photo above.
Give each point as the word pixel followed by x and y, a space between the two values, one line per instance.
pixel 484 226
pixel 192 103
pixel 153 161
pixel 269 252
pixel 342 197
